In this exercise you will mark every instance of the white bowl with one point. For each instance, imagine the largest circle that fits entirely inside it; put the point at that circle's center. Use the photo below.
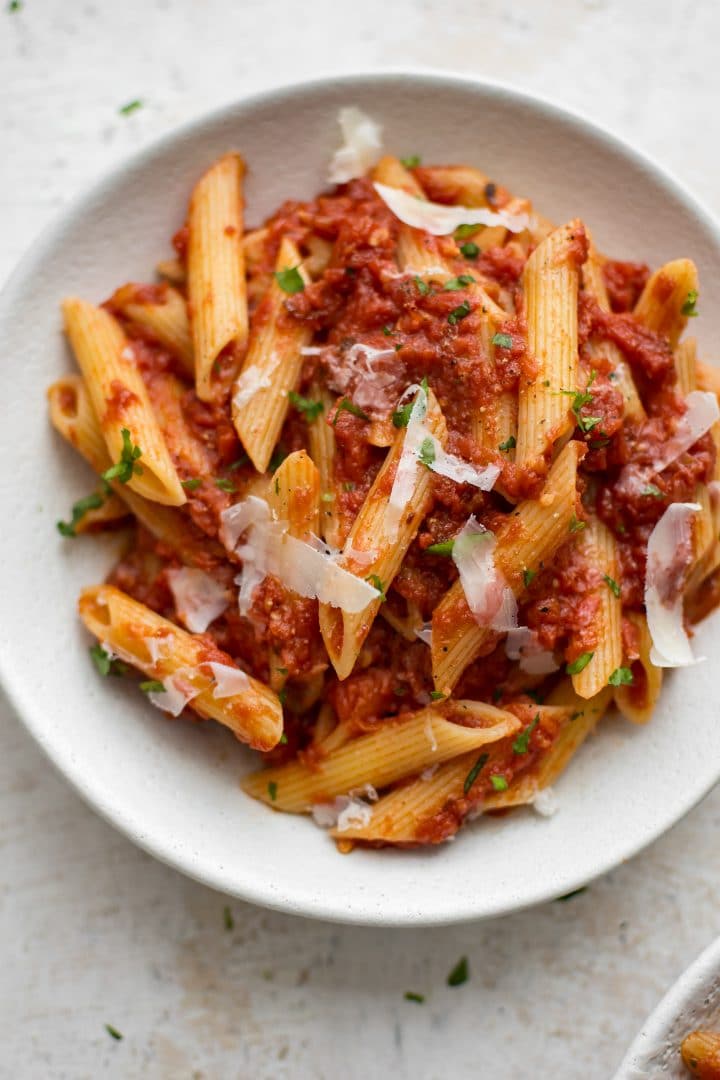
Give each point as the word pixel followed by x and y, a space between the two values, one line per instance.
pixel 692 1002
pixel 173 787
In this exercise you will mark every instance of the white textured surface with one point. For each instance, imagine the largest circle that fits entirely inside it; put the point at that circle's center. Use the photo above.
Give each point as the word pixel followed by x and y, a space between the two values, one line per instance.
pixel 95 932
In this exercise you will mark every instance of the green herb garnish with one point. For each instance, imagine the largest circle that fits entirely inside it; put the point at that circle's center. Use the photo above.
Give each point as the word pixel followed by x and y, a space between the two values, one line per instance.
pixel 612 585
pixel 459 973
pixel 224 484
pixel 443 547
pixel 465 230
pixel 503 341
pixel 422 286
pixel 458 313
pixel 127 466
pixel 580 664
pixel 460 282
pixel 528 576
pixel 290 280
pixel 152 686
pixel 509 444
pixel 437 695
pixel 653 491
pixel 228 919
pixel 131 107
pixel 521 745
pixel 192 484
pixel 474 772
pixel 104 662
pixel 621 676
pixel 309 409
pixel 426 454
pixel 272 790
pixel 113 1032
pixel 576 525
pixel 410 995
pixel 79 510
pixel 499 783
pixel 346 405
pixel 470 250
pixel 401 416
pixel 411 162
pixel 376 583
pixel 689 307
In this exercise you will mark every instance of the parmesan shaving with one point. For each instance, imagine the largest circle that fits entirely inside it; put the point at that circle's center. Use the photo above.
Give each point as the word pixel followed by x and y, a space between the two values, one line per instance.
pixel 522 644
pixel 344 812
pixel 361 149
pixel 424 632
pixel 702 413
pixel 177 693
pixel 545 803
pixel 669 556
pixel 229 681
pixel 270 549
pixel 156 646
pixel 440 220
pixel 248 384
pixel 199 598
pixel 488 596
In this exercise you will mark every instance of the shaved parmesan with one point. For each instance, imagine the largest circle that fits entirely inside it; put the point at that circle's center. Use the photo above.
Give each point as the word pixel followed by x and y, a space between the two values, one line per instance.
pixel 344 812
pixel 702 413
pixel 311 350
pixel 248 384
pixel 439 220
pixel 229 681
pixel 522 644
pixel 177 693
pixel 361 149
pixel 462 472
pixel 199 598
pixel 545 802
pixel 406 473
pixel 488 596
pixel 362 558
pixel 424 632
pixel 156 646
pixel 430 734
pixel 669 555
pixel 270 549
pixel 116 652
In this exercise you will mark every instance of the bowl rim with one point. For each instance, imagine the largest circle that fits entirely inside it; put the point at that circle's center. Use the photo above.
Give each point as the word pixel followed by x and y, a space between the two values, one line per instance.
pixel 695 983
pixel 19 697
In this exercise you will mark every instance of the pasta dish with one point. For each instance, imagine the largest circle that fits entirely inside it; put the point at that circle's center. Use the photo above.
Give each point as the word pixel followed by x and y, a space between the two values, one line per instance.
pixel 416 485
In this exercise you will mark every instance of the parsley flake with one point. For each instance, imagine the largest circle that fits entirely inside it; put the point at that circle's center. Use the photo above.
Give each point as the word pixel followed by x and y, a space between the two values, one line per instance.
pixel 470 250
pixel 411 162
pixel 15 5
pixel 309 409
pixel 509 444
pixel 474 772
pixel 228 919
pixel 460 973
pixel 401 416
pixel 521 745
pixel 410 995
pixel 346 405
pixel 426 454
pixel 224 484
pixel 443 547
pixel 502 341
pixel 437 695
pixel 113 1032
pixel 528 576
pixel 653 491
pixel 105 663
pixel 499 783
pixel 152 686
pixel 388 330
pixel 460 282
pixel 131 107
pixel 79 510
pixel 290 280
pixel 283 740
pixel 621 676
pixel 576 525
pixel 458 313
pixel 580 664
pixel 422 286
pixel 127 467
pixel 272 790
pixel 612 585
pixel 689 309
pixel 377 584
pixel 465 230
pixel 192 484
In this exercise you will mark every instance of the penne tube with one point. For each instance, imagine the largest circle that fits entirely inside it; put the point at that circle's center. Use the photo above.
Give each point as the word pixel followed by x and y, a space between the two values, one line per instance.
pixel 272 366
pixel 321 440
pixel 686 366
pixel 662 303
pixel 598 546
pixel 708 378
pixel 550 287
pixel 125 626
pixel 163 312
pixel 217 290
pixel 369 552
pixel 535 531
pixel 120 401
pixel 700 1051
pixel 397 749
pixel 172 270
pixel 637 701
pixel 706 550
pixel 417 252
pixel 295 493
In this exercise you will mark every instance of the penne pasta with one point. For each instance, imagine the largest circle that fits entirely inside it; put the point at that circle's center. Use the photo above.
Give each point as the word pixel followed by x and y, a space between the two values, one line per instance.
pixel 662 305
pixel 126 628
pixel 161 311
pixel 686 366
pixel 272 366
pixel 533 534
pixel 637 701
pixel 598 546
pixel 398 749
pixel 295 494
pixel 321 443
pixel 417 253
pixel 217 291
pixel 550 286
pixel 121 403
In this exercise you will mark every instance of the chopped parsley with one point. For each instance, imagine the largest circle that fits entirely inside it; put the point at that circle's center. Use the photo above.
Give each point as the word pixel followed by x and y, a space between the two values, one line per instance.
pixel 443 547
pixel 621 676
pixel 272 790
pixel 228 919
pixel 689 307
pixel 653 491
pixel 377 584
pixel 283 740
pixel 113 1032
pixel 503 341
pixel 277 485
pixel 290 280
pixel 127 466
pixel 470 250
pixel 426 454
pixel 192 484
pixel 612 585
pixel 475 771
pixel 581 398
pixel 509 444
pixel 401 416
pixel 79 510
pixel 152 686
pixel 346 405
pixel 580 664
pixel 465 230
pixel 410 995
pixel 460 282
pixel 348 485
pixel 282 698
pixel 437 695
pixel 576 525
pixel 131 107
pixel 458 313
pixel 499 783
pixel 459 973
pixel 224 484
pixel 388 331
pixel 521 745
pixel 411 162
pixel 309 409
pixel 104 662
pixel 422 286
pixel 15 5
pixel 528 576
pixel 327 496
